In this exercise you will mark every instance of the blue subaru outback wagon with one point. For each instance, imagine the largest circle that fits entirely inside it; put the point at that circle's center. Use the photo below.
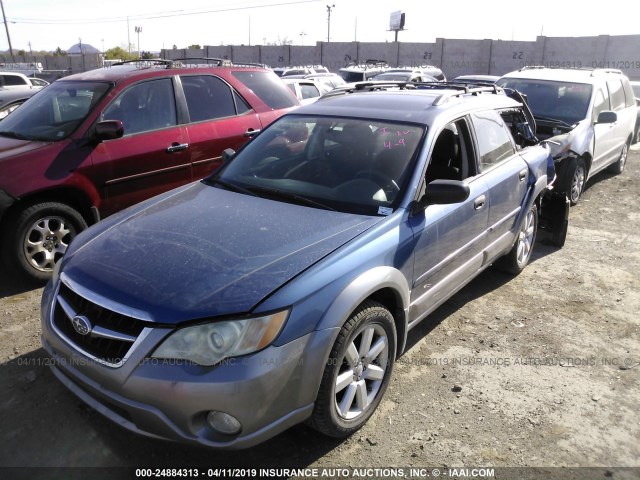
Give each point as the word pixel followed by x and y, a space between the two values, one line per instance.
pixel 281 288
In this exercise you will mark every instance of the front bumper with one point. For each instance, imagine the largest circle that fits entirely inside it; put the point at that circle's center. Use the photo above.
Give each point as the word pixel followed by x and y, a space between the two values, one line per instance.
pixel 267 392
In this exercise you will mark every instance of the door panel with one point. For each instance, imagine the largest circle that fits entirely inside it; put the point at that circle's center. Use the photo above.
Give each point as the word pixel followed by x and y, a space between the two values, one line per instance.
pixel 153 155
pixel 604 134
pixel 215 121
pixel 450 239
pixel 449 246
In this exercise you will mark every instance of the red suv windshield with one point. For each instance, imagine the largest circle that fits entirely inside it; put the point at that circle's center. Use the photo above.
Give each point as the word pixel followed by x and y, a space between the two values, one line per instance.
pixel 55 112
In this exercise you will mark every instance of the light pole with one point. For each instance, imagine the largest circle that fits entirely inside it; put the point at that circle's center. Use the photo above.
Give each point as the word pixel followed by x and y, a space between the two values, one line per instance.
pixel 329 8
pixel 302 34
pixel 138 30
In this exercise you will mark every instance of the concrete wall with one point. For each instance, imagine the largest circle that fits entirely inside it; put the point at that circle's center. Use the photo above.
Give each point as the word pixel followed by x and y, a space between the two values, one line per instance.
pixel 454 56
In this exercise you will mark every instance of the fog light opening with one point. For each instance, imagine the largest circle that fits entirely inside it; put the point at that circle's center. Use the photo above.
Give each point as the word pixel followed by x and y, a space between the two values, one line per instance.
pixel 223 423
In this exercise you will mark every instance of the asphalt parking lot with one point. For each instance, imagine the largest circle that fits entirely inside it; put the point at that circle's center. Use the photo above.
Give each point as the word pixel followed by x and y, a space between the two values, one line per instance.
pixel 546 365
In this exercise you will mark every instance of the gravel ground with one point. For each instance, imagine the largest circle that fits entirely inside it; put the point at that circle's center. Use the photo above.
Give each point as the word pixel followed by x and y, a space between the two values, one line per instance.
pixel 540 370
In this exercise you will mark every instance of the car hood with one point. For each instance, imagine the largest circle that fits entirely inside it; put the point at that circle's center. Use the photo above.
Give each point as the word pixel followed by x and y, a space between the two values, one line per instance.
pixel 204 252
pixel 576 139
pixel 10 147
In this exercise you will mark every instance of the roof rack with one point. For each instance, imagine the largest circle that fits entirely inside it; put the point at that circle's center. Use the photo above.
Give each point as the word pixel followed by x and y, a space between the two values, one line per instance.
pixel 594 71
pixel 459 89
pixel 221 62
pixel 148 61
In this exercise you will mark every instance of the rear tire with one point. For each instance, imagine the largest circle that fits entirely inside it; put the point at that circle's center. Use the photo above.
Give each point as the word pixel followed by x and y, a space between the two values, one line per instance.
pixel 39 238
pixel 519 256
pixel 357 372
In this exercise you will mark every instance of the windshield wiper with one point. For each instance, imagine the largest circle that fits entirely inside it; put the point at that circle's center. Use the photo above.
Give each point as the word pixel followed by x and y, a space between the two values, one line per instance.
pixel 553 120
pixel 14 135
pixel 231 186
pixel 293 196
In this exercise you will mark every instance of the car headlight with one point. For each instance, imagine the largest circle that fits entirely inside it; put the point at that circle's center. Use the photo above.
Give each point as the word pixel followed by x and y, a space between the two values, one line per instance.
pixel 210 343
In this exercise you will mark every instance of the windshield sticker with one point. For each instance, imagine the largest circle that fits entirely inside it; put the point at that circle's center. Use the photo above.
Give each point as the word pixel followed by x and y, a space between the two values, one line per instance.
pixel 398 141
pixel 385 211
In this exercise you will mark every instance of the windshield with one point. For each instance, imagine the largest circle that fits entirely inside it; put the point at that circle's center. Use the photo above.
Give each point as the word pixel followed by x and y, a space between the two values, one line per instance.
pixel 55 112
pixel 565 101
pixel 350 165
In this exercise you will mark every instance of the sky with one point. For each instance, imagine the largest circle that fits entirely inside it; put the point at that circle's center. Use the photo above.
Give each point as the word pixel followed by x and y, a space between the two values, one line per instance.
pixel 47 24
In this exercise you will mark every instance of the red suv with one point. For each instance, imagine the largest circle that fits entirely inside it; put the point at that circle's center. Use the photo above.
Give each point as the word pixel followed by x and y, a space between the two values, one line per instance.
pixel 94 143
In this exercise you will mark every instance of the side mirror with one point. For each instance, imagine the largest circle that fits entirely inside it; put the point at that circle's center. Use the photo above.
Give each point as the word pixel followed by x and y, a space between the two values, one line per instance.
pixel 227 154
pixel 109 130
pixel 607 117
pixel 442 192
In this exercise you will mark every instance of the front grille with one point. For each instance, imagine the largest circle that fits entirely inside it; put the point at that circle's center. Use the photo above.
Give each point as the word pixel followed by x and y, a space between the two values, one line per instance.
pixel 111 334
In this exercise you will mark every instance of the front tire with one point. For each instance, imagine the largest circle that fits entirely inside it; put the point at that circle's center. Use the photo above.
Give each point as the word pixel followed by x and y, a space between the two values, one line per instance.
pixel 578 181
pixel 618 167
pixel 519 256
pixel 357 372
pixel 40 237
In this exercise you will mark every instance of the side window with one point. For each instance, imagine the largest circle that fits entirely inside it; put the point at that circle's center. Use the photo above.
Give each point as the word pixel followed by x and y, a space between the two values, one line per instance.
pixel 144 107
pixel 14 80
pixel 521 131
pixel 241 105
pixel 628 93
pixel 494 140
pixel 600 103
pixel 208 97
pixel 309 91
pixel 617 94
pixel 452 156
pixel 268 87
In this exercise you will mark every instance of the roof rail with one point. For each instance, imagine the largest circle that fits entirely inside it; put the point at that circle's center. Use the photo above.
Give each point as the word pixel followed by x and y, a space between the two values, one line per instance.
pixel 594 71
pixel 459 89
pixel 148 61
pixel 221 62
pixel 369 86
pixel 598 71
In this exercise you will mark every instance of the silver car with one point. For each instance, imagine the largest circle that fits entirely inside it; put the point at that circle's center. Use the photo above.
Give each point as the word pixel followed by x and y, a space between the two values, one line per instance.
pixel 588 117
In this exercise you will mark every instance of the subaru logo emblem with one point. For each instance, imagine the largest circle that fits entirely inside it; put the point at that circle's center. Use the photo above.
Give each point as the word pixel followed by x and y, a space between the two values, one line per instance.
pixel 81 325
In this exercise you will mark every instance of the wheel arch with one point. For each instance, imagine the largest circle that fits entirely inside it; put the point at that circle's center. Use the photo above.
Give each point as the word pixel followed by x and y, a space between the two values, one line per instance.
pixel 385 285
pixel 73 197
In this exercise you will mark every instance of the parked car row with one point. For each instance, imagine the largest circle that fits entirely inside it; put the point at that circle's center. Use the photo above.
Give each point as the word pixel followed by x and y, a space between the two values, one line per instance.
pixel 100 141
pixel 281 287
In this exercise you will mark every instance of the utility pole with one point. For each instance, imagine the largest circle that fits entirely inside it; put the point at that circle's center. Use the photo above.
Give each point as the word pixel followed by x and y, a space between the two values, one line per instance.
pixel 138 30
pixel 6 27
pixel 128 36
pixel 329 8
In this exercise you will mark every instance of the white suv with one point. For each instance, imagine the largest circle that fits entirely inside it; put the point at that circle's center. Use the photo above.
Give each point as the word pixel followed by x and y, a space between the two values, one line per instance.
pixel 588 116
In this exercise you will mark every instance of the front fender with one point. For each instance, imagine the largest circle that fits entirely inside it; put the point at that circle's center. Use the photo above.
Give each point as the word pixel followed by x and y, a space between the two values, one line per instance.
pixel 362 287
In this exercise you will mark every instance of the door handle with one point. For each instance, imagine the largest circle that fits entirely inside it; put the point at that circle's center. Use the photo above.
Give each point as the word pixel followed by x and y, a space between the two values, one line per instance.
pixel 251 132
pixel 522 175
pixel 176 147
pixel 479 202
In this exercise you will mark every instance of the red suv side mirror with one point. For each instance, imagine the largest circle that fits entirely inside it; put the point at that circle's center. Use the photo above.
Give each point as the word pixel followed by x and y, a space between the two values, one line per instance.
pixel 109 130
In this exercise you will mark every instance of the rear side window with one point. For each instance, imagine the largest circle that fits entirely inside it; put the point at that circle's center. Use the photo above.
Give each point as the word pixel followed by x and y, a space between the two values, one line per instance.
pixel 617 94
pixel 268 87
pixel 309 91
pixel 494 140
pixel 208 97
pixel 628 93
